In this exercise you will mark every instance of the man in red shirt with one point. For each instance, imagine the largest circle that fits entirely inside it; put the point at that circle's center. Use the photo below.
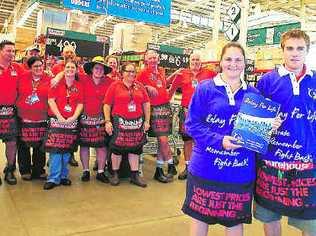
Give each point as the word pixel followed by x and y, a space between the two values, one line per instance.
pixel 31 51
pixel 9 73
pixel 69 54
pixel 187 80
pixel 153 78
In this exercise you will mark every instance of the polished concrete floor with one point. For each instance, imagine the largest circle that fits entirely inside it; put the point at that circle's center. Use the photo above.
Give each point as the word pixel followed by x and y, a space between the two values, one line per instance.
pixel 100 209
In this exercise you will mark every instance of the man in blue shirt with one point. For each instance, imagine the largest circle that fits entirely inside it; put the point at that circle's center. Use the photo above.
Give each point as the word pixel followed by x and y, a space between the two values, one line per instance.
pixel 286 183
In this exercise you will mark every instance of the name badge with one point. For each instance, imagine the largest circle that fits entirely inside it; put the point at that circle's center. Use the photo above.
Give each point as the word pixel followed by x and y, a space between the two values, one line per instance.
pixel 67 108
pixel 132 107
pixel 194 83
pixel 13 73
pixel 159 83
pixel 31 99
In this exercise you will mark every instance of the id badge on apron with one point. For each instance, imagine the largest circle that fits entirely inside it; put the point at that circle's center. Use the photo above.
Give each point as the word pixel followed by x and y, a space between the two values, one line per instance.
pixel 67 108
pixel 131 106
pixel 159 83
pixel 194 83
pixel 13 73
pixel 31 99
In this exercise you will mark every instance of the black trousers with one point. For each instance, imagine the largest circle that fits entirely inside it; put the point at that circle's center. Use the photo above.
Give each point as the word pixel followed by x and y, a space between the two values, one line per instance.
pixel 28 164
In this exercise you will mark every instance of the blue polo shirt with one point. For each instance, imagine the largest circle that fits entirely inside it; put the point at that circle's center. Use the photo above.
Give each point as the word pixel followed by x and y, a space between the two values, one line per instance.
pixel 212 112
pixel 293 146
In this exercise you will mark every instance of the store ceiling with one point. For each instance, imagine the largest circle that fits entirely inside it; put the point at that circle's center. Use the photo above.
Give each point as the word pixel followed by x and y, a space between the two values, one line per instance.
pixel 182 32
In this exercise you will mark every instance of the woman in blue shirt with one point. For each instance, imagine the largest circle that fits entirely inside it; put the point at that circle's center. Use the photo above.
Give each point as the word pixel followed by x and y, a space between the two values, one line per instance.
pixel 220 183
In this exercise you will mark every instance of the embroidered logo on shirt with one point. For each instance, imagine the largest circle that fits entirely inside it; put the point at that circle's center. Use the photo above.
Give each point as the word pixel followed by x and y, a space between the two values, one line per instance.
pixel 312 93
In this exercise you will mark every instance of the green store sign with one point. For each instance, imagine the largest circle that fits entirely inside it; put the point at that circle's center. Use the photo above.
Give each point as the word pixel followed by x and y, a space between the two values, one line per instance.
pixel 269 35
pixel 137 57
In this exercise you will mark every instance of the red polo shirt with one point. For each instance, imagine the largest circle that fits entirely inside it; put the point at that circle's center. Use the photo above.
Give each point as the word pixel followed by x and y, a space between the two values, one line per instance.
pixel 187 82
pixel 158 81
pixel 38 110
pixel 119 96
pixel 25 67
pixel 9 83
pixel 60 94
pixel 93 95
pixel 61 67
pixel 115 75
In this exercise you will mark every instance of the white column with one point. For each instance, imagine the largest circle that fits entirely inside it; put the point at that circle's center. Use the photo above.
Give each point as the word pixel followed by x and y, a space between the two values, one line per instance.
pixel 303 15
pixel 244 22
pixel 217 21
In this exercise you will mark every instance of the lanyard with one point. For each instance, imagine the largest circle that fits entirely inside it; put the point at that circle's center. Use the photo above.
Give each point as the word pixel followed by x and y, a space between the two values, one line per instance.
pixel 131 92
pixel 68 93
pixel 35 84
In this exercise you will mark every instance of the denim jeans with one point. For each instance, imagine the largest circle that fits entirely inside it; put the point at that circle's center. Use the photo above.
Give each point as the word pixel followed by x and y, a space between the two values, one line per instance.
pixel 58 167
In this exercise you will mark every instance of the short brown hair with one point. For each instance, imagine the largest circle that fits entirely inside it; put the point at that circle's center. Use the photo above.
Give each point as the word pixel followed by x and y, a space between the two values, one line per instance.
pixel 128 64
pixel 5 42
pixel 297 34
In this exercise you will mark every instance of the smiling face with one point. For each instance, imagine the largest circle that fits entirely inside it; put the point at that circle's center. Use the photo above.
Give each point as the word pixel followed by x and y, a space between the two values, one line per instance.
pixel 129 73
pixel 69 53
pixel 8 53
pixel 37 69
pixel 195 62
pixel 294 54
pixel 112 62
pixel 152 59
pixel 70 69
pixel 98 71
pixel 233 63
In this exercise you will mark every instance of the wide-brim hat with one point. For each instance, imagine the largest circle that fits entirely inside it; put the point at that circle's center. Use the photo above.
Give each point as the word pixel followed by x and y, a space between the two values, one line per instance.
pixel 96 60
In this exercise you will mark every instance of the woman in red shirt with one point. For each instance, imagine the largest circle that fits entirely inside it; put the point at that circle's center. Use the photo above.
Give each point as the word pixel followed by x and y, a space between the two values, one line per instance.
pixel 127 114
pixel 65 105
pixel 92 130
pixel 113 62
pixel 32 111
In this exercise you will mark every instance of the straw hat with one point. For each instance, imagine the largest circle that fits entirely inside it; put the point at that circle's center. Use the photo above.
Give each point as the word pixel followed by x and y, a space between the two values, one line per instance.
pixel 96 60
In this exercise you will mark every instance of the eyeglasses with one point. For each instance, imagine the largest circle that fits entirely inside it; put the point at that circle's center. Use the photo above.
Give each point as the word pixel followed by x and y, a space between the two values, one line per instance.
pixel 37 66
pixel 130 71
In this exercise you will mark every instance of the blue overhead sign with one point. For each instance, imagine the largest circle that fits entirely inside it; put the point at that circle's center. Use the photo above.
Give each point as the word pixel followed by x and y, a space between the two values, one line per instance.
pixel 150 11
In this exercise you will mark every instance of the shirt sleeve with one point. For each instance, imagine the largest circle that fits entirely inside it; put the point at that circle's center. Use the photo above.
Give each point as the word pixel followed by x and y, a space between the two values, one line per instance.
pixel 262 85
pixel 176 83
pixel 196 125
pixel 145 94
pixel 52 91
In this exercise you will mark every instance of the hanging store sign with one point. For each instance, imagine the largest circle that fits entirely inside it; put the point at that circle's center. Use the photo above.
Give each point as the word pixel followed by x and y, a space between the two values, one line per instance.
pixel 150 11
pixel 234 12
pixel 171 57
pixel 232 32
pixel 85 45
pixel 270 35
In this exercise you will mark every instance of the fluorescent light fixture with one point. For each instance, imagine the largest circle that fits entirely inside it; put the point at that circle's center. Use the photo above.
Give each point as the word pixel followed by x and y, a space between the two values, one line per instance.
pixel 27 14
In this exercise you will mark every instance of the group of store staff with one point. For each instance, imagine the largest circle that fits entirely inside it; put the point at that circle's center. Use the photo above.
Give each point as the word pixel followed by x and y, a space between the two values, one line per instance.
pixel 112 112
pixel 93 105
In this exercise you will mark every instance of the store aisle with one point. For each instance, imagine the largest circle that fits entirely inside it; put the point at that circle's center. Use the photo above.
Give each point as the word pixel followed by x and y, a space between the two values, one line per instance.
pixel 96 209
